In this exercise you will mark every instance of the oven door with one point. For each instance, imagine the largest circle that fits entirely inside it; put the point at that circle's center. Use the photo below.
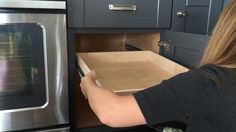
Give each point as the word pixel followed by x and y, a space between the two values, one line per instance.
pixel 33 71
pixel 23 74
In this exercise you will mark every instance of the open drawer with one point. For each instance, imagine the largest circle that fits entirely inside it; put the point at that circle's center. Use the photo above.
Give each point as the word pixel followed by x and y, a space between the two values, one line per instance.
pixel 128 72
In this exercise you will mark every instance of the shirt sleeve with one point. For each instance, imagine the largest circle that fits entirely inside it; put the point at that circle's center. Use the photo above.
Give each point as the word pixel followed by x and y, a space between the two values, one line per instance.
pixel 183 96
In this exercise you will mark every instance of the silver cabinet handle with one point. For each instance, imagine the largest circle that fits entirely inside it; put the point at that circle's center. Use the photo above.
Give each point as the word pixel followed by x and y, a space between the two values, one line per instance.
pixel 165 45
pixel 180 14
pixel 119 7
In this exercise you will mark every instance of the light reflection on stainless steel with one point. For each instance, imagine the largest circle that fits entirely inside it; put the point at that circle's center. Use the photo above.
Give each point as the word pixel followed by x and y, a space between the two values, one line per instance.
pixel 67 129
pixel 56 111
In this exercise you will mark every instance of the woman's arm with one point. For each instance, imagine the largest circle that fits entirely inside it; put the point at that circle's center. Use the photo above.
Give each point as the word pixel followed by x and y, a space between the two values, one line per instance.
pixel 111 109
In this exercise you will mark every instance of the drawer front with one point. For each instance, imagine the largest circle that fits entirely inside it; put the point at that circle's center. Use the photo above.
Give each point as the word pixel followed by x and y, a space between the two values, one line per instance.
pixel 121 13
pixel 75 13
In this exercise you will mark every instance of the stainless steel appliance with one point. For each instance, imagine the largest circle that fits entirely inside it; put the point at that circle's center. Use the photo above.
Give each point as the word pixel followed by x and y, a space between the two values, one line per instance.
pixel 33 65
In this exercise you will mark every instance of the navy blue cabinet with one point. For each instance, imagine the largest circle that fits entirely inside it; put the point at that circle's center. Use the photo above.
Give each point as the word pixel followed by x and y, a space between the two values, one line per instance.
pixel 119 13
pixel 192 24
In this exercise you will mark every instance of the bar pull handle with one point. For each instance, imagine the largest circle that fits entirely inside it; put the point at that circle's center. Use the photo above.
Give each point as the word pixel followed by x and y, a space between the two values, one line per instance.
pixel 120 7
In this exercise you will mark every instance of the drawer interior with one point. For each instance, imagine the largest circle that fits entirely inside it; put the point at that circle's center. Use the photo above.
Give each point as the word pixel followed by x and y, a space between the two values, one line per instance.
pixel 103 42
pixel 124 72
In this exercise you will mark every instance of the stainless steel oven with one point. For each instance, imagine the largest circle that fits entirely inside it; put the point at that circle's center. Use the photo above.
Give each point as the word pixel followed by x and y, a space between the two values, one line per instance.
pixel 33 65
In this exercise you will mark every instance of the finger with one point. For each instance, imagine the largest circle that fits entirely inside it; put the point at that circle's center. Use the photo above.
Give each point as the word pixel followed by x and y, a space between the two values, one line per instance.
pixel 93 75
pixel 85 96
pixel 82 89
pixel 81 82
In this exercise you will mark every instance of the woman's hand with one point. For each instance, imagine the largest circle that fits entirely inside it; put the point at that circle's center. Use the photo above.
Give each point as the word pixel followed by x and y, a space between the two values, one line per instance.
pixel 87 81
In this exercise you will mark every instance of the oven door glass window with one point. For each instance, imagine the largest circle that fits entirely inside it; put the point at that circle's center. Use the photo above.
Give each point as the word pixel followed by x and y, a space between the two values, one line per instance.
pixel 22 67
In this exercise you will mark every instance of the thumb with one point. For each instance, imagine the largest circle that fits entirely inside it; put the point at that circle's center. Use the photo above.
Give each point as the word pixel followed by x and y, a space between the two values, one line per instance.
pixel 93 75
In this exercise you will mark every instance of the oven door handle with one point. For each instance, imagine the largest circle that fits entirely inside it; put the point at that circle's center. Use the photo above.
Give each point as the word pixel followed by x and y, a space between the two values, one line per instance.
pixel 38 4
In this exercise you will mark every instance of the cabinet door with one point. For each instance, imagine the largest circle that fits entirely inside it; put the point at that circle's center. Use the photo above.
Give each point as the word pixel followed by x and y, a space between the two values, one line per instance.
pixel 195 16
pixel 183 48
pixel 127 13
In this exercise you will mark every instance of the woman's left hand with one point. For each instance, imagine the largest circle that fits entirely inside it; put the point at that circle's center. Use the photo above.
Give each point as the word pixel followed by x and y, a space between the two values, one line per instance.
pixel 112 109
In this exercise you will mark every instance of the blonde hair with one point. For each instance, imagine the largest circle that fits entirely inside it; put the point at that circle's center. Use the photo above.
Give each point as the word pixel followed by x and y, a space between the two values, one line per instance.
pixel 221 50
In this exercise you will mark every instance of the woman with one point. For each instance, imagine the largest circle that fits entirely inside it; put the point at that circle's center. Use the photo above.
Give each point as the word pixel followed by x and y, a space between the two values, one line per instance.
pixel 204 98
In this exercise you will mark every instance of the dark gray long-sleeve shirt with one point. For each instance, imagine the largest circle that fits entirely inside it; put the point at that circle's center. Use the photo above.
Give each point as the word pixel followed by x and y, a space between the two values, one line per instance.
pixel 204 99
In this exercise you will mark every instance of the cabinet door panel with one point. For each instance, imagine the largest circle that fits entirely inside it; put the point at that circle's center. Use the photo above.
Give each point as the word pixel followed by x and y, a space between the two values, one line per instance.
pixel 198 2
pixel 196 20
pixel 195 16
pixel 98 14
pixel 184 48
